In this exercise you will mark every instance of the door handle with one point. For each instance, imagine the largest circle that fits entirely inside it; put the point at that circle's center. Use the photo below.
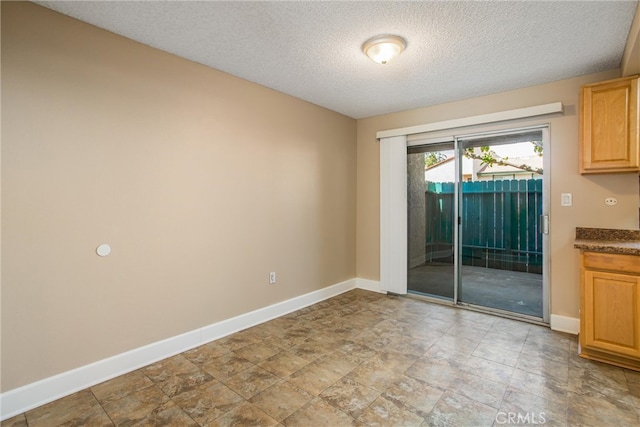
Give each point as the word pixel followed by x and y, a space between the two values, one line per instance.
pixel 544 224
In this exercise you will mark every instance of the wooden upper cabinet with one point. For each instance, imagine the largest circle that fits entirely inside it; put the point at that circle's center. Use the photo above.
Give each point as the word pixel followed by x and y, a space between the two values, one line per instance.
pixel 610 138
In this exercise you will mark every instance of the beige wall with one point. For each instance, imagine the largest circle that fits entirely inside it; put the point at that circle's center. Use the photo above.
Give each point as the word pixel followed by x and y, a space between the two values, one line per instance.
pixel 589 192
pixel 201 182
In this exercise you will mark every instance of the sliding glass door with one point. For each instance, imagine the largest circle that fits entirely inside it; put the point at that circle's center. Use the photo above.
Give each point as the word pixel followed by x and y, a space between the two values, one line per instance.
pixel 431 177
pixel 475 212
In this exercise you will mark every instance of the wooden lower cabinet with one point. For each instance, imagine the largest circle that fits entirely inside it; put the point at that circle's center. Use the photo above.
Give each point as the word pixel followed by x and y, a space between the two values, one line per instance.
pixel 610 308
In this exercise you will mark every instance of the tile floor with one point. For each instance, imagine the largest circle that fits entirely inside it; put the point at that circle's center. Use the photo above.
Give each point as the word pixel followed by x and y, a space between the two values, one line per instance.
pixel 365 359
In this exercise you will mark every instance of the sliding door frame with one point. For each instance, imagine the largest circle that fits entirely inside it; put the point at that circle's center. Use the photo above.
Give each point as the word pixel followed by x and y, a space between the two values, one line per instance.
pixel 393 204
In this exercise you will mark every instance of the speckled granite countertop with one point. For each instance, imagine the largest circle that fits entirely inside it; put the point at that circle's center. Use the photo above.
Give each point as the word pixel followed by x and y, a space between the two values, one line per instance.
pixel 608 240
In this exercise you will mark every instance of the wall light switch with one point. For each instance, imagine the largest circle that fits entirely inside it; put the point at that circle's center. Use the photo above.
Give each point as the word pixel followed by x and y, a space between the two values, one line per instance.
pixel 566 199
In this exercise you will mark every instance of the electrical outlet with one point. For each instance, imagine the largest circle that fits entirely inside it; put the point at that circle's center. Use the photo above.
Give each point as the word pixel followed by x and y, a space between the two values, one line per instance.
pixel 611 201
pixel 272 277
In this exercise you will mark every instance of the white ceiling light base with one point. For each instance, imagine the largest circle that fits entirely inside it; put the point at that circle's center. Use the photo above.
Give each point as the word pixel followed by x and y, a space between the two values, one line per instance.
pixel 384 48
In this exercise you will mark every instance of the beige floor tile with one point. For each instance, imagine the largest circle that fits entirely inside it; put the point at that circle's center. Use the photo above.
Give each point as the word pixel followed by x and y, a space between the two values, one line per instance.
pixel 251 381
pixel 543 366
pixel 454 350
pixel 385 412
pixel 596 411
pixel 136 407
pixel 422 332
pixel 17 421
pixel 166 369
pixel 205 353
pixel 274 327
pixel 438 323
pixel 327 337
pixel 544 350
pixel 237 341
pixel 479 389
pixel 436 373
pixel 418 395
pixel 513 328
pixel 244 415
pixel 457 410
pixel 492 371
pixel 281 400
pixel 517 403
pixel 349 396
pixel 313 378
pixel 495 353
pixel 258 352
pixel 226 366
pixel 543 386
pixel 311 350
pixel 185 381
pixel 544 336
pixel 411 346
pixel 478 320
pixel 505 340
pixel 80 408
pixel 318 413
pixel 121 386
pixel 294 336
pixel 392 360
pixel 608 381
pixel 284 364
pixel 443 318
pixel 355 347
pixel 167 414
pixel 467 331
pixel 376 341
pixel 388 325
pixel 375 374
pixel 463 345
pixel 208 402
pixel 339 362
pixel 632 376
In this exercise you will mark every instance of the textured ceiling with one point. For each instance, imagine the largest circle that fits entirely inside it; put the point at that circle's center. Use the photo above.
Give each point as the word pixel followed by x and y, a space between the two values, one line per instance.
pixel 311 50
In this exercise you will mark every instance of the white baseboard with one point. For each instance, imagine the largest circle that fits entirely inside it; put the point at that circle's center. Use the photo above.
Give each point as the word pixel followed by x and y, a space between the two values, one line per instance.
pixel 570 325
pixel 22 399
pixel 369 285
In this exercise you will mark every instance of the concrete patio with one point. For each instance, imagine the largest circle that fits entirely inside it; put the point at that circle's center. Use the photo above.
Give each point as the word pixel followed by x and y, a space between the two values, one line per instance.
pixel 511 291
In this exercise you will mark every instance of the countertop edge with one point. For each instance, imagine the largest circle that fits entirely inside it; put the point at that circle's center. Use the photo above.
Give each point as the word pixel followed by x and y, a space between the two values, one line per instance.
pixel 608 247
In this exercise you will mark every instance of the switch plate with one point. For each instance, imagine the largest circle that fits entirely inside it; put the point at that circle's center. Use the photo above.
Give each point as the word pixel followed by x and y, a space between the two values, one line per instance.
pixel 272 277
pixel 566 199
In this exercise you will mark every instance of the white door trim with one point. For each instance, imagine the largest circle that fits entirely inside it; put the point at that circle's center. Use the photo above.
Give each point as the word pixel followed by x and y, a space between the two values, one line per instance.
pixel 393 214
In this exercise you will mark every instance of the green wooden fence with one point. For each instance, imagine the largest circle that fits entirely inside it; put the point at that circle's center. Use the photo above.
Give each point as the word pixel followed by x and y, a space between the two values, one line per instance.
pixel 500 223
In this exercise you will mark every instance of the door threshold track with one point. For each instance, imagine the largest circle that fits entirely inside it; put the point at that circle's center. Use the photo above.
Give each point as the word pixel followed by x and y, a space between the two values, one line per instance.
pixel 481 309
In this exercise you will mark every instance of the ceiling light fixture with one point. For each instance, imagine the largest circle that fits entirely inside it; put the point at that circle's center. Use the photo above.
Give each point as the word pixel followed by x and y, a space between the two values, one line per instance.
pixel 383 48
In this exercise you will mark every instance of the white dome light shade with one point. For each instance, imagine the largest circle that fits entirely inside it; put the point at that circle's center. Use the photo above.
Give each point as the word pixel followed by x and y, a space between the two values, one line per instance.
pixel 382 49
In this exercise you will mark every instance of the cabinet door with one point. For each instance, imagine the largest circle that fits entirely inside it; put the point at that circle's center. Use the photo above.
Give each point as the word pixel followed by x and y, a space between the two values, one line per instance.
pixel 611 312
pixel 610 127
